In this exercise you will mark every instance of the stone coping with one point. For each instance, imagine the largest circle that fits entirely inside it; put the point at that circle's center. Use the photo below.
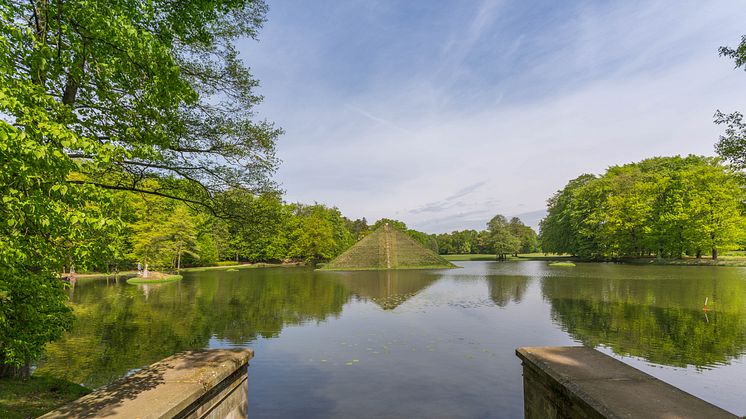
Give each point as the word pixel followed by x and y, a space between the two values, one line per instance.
pixel 612 388
pixel 162 390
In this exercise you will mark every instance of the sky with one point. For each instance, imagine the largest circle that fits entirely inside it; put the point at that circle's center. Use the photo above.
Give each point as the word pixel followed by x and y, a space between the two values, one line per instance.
pixel 444 113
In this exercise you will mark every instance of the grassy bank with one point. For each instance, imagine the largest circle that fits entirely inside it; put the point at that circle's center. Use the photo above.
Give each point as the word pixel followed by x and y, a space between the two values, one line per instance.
pixel 736 259
pixel 242 266
pixel 721 261
pixel 221 266
pixel 521 256
pixel 36 396
pixel 400 268
pixel 103 275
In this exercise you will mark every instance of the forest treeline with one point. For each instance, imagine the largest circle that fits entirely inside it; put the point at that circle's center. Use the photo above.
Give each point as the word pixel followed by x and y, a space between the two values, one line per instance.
pixel 663 206
pixel 170 234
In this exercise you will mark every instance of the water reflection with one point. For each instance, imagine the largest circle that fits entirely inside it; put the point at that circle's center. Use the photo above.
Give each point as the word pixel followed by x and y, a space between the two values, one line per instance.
pixel 504 289
pixel 448 335
pixel 657 317
pixel 388 289
pixel 120 327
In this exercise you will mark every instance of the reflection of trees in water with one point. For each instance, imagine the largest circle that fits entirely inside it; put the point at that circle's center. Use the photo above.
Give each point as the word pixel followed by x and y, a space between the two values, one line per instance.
pixel 387 288
pixel 661 321
pixel 503 289
pixel 118 329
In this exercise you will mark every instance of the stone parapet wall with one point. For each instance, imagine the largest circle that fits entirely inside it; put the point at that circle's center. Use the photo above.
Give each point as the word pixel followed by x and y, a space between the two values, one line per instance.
pixel 195 384
pixel 580 382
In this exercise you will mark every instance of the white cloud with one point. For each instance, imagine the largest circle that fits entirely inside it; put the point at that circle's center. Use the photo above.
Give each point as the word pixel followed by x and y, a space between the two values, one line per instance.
pixel 631 82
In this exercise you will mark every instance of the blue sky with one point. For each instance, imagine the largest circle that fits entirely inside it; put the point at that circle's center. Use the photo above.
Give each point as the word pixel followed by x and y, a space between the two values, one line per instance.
pixel 445 113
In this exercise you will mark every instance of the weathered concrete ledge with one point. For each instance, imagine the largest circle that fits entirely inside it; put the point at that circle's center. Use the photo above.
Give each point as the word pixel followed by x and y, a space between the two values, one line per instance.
pixel 580 382
pixel 194 384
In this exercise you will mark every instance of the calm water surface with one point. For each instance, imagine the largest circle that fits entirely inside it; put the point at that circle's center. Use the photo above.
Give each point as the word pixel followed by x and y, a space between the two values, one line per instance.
pixel 416 343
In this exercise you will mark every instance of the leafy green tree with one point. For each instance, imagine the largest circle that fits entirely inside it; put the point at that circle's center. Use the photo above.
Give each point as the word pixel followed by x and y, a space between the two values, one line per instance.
pixel 458 242
pixel 527 236
pixel 358 228
pixel 428 241
pixel 258 228
pixel 399 225
pixel 500 238
pixel 165 232
pixel 732 145
pixel 317 233
pixel 156 89
pixel 716 219
pixel 181 234
pixel 98 96
pixel 46 224
pixel 663 206
pixel 560 229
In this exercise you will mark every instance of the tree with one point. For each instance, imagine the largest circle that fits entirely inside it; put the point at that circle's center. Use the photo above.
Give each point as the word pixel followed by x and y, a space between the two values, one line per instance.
pixel 560 228
pixel 500 239
pixel 428 241
pixel 101 96
pixel 666 206
pixel 258 229
pixel 529 240
pixel 732 145
pixel 399 225
pixel 156 89
pixel 317 233
pixel 716 219
pixel 358 228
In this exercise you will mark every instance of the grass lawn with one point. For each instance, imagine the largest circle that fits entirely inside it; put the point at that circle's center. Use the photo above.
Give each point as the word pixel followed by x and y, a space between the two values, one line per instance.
pixel 402 268
pixel 36 396
pixel 691 261
pixel 234 266
pixel 521 256
pixel 469 257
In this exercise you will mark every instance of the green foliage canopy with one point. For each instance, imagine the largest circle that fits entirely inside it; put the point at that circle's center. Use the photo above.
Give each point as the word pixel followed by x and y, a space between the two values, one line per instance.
pixel 501 238
pixel 101 96
pixel 732 144
pixel 664 206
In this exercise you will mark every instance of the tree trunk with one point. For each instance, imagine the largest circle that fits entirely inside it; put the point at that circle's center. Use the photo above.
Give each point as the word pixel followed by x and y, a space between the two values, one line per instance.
pixel 10 371
pixel 714 253
pixel 39 16
pixel 699 253
pixel 73 80
pixel 178 262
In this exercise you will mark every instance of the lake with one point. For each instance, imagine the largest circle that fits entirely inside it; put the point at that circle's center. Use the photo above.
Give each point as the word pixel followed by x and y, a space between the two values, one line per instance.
pixel 436 343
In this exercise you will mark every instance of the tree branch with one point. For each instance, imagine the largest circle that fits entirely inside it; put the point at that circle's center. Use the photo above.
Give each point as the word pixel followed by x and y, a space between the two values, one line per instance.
pixel 212 210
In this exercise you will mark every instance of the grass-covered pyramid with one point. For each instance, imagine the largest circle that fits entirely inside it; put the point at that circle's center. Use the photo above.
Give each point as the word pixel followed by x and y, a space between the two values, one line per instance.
pixel 388 248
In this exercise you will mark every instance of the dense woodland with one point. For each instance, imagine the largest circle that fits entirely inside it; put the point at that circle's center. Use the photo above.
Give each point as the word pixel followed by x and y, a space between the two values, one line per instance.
pixel 664 207
pixel 169 234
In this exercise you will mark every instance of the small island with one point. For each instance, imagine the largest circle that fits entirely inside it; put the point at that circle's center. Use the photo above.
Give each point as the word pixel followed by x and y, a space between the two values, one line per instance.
pixel 154 278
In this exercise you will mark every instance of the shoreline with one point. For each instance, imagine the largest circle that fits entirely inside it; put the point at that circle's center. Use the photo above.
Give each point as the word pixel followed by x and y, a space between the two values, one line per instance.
pixel 133 274
pixel 726 261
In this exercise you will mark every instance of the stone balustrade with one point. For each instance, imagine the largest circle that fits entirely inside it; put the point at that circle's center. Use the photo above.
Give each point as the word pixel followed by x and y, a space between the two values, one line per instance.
pixel 580 382
pixel 195 384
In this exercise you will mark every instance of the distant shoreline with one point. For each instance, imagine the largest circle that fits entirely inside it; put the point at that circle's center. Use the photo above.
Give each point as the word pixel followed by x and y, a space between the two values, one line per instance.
pixel 130 274
pixel 733 261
